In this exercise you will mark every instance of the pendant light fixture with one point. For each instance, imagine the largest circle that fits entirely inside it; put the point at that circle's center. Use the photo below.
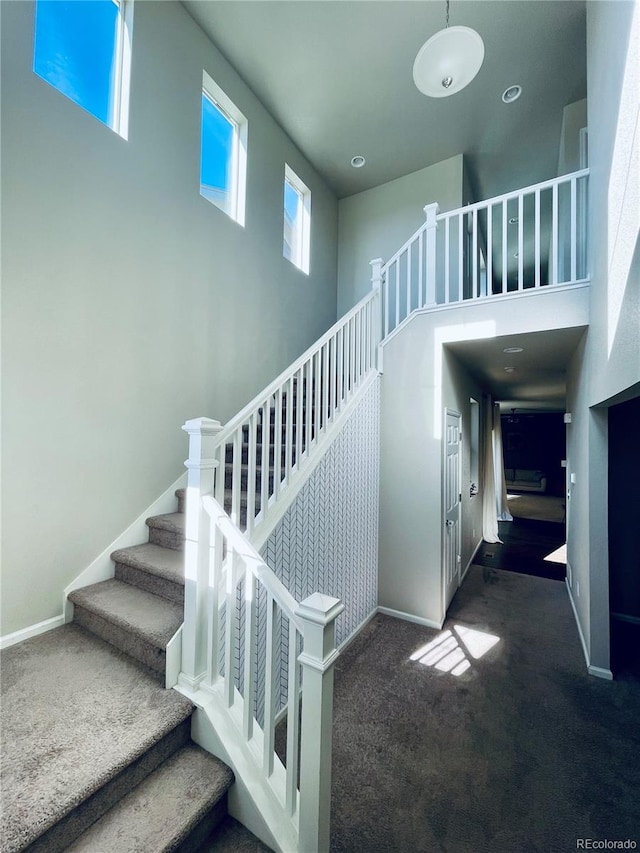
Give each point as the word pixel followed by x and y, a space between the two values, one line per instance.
pixel 448 61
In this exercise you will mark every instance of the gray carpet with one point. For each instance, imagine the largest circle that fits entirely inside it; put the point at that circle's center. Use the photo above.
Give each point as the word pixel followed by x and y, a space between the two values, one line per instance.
pixel 523 751
pixel 63 696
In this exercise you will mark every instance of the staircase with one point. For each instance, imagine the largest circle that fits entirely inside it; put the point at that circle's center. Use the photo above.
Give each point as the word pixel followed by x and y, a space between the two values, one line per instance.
pixel 110 767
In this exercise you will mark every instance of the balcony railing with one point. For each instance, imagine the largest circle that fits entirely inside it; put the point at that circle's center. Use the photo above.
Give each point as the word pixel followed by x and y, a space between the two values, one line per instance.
pixel 530 238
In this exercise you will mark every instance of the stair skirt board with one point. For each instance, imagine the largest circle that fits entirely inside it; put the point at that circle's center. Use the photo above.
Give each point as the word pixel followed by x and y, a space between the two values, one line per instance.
pixel 102 567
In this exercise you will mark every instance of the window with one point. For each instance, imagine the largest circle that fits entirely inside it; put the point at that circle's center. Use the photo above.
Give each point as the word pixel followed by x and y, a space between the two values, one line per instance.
pixel 297 220
pixel 474 447
pixel 83 49
pixel 223 160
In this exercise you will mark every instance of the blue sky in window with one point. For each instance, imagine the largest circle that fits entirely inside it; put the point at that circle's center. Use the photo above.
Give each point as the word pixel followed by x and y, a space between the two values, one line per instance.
pixel 217 143
pixel 74 50
pixel 291 201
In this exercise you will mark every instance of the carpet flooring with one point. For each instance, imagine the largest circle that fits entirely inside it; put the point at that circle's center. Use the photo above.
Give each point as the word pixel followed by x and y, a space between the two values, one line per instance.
pixel 64 693
pixel 521 751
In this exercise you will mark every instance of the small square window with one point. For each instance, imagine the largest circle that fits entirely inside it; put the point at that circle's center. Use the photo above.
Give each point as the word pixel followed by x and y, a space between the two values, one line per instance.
pixel 83 49
pixel 297 220
pixel 223 151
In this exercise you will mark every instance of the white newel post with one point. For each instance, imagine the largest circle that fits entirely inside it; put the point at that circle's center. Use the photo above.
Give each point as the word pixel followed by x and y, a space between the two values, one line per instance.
pixel 378 318
pixel 201 466
pixel 431 212
pixel 318 614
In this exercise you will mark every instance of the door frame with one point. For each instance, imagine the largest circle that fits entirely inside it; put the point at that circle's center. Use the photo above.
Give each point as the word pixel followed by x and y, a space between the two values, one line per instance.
pixel 444 604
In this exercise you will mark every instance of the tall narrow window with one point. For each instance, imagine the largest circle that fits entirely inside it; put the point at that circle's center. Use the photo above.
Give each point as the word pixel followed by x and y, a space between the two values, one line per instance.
pixel 223 161
pixel 297 220
pixel 83 49
pixel 474 446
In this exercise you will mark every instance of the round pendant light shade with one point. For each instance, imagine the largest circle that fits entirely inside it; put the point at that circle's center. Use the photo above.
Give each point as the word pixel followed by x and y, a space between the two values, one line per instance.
pixel 448 61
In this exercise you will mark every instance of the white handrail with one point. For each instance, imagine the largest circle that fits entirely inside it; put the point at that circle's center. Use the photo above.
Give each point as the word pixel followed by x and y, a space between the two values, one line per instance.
pixel 260 453
pixel 252 559
pixel 293 368
pixel 543 185
pixel 242 589
pixel 464 254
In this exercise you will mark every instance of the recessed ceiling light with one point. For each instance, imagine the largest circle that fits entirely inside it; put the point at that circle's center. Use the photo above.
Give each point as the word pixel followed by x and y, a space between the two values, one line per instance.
pixel 513 349
pixel 358 161
pixel 510 369
pixel 511 94
pixel 514 220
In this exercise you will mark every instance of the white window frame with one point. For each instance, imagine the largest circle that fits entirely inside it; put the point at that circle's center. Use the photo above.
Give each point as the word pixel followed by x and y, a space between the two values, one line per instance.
pixel 118 119
pixel 235 207
pixel 302 245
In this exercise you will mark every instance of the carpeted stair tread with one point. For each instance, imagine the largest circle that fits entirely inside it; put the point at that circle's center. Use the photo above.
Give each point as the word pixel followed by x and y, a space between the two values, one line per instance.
pixel 173 521
pixel 75 713
pixel 163 562
pixel 150 617
pixel 167 530
pixel 164 809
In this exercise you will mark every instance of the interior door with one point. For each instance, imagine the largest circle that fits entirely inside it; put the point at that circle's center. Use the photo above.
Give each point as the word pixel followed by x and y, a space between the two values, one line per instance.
pixel 451 506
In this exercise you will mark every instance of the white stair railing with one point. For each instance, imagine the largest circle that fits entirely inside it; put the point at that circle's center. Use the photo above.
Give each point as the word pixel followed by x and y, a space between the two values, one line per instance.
pixel 512 243
pixel 246 640
pixel 250 469
pixel 264 449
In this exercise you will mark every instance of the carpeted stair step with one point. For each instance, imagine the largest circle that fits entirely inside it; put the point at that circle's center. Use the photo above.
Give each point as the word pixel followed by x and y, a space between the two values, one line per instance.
pixel 133 620
pixel 167 530
pixel 176 808
pixel 82 724
pixel 152 568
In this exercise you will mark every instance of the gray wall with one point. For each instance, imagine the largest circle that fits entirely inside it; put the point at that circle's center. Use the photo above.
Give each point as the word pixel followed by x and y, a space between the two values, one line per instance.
pixel 420 379
pixel 610 369
pixel 377 222
pixel 130 303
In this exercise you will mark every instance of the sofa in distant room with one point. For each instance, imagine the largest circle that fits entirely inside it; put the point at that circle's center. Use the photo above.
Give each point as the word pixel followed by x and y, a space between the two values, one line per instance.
pixel 525 480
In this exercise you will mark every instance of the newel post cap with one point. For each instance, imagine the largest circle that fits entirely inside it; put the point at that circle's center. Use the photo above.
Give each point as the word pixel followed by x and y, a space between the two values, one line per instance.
pixel 320 609
pixel 431 211
pixel 202 426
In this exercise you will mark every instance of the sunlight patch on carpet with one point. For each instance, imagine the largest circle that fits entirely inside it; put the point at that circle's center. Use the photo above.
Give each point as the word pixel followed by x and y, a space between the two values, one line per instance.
pixel 451 651
pixel 558 556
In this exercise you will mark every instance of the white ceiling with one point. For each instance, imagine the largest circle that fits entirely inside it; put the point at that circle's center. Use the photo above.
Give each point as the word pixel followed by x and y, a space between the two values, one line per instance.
pixel 539 379
pixel 337 76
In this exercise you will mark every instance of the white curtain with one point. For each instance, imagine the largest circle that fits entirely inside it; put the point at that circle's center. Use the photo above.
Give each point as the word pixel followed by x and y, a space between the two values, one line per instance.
pixel 489 513
pixel 502 504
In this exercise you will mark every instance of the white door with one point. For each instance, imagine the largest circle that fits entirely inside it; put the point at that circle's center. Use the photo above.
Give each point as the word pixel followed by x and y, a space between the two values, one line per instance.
pixel 451 507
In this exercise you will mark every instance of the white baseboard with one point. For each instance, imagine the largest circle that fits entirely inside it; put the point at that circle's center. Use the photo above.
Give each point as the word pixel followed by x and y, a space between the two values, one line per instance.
pixel 575 616
pixel 343 645
pixel 102 568
pixel 597 671
pixel 471 560
pixel 409 617
pixel 31 631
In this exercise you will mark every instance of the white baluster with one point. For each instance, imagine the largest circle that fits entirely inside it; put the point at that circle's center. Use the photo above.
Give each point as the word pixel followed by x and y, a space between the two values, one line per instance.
pixel 431 214
pixel 318 614
pixel 201 466
pixel 520 241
